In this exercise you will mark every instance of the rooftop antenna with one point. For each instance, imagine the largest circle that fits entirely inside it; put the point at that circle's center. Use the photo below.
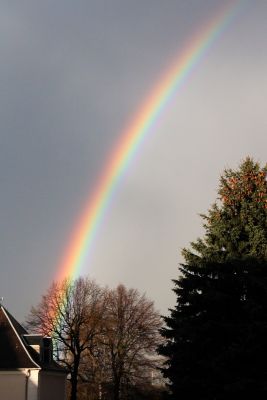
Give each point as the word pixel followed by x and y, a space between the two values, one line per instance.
pixel 1 300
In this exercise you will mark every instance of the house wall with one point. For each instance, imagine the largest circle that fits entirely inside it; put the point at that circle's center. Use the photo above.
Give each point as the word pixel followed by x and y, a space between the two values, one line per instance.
pixel 52 386
pixel 32 384
pixel 13 385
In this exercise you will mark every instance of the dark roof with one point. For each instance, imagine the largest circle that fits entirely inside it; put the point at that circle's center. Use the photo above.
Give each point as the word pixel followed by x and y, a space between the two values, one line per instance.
pixel 15 346
pixel 13 353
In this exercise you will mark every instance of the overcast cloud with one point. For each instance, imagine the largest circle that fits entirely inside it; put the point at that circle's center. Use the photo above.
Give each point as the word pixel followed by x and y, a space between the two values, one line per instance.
pixel 72 74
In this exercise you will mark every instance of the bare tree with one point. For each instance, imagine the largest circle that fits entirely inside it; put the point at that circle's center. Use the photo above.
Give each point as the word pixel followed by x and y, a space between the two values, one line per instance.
pixel 105 338
pixel 131 337
pixel 72 313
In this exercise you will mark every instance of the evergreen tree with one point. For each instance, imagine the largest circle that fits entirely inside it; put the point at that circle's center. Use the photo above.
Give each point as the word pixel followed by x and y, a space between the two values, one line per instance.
pixel 216 336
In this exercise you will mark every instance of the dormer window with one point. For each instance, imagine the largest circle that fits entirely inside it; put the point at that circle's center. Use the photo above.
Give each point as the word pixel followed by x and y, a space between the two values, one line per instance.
pixel 42 345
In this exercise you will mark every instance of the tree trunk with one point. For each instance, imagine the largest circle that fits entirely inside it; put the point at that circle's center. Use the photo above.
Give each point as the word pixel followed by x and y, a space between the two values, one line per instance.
pixel 117 394
pixel 74 379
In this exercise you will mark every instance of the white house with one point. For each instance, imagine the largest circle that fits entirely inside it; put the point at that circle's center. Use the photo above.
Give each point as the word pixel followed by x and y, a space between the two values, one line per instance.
pixel 27 368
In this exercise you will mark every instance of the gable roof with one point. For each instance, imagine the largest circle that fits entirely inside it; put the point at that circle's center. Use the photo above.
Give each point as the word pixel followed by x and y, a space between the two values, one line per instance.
pixel 15 350
pixel 13 354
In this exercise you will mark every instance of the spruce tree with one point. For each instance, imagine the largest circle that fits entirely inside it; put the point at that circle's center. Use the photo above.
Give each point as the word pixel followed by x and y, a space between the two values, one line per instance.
pixel 216 336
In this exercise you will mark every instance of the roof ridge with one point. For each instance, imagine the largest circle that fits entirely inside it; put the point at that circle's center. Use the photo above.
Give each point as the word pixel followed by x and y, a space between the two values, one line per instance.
pixel 18 336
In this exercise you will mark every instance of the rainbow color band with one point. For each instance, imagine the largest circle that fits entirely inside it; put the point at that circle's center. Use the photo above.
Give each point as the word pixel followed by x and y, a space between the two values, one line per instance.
pixel 132 137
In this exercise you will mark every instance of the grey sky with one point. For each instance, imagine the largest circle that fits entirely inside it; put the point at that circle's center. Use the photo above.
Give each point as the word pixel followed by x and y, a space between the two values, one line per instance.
pixel 72 74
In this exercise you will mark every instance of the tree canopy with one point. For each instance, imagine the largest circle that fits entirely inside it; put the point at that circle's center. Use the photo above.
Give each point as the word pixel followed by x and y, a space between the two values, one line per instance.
pixel 72 313
pixel 106 338
pixel 216 335
pixel 235 226
pixel 130 337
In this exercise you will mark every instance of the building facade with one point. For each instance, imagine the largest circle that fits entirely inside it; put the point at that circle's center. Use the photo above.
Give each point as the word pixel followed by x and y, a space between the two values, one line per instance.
pixel 27 368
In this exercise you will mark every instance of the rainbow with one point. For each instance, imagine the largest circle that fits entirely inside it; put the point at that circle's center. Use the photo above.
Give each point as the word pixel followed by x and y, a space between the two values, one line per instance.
pixel 83 236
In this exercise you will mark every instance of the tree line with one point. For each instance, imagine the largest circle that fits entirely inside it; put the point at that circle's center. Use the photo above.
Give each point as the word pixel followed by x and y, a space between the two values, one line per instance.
pixel 211 346
pixel 105 338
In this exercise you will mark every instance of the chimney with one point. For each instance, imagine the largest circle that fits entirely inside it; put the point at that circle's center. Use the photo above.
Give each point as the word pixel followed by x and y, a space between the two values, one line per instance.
pixel 46 350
